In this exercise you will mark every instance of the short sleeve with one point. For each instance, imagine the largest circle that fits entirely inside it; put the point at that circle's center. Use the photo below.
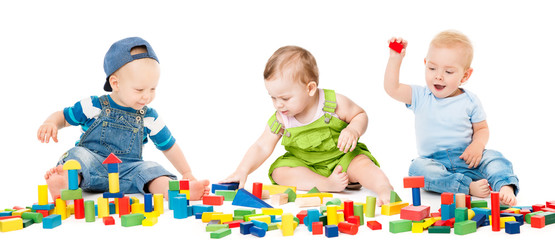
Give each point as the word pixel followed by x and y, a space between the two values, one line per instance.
pixel 82 111
pixel 418 92
pixel 477 113
pixel 158 131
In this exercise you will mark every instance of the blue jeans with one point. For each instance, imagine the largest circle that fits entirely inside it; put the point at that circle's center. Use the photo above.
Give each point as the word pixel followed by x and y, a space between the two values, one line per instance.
pixel 444 171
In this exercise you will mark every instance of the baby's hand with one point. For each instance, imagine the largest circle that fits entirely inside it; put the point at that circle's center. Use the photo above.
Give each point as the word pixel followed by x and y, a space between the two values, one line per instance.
pixel 47 131
pixel 347 140
pixel 472 155
pixel 236 177
pixel 393 43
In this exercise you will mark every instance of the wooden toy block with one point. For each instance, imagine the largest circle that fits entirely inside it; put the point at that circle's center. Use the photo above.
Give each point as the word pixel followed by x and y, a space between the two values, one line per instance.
pixel 460 200
pixel 220 233
pixel 314 190
pixel 36 217
pixel 272 211
pixel 511 210
pixel 263 218
pixel 234 224
pixel 447 211
pixel 468 201
pixel 159 203
pixel 150 221
pixel 148 202
pixel 447 198
pixel 317 228
pixel 537 221
pixel 207 216
pixel 67 194
pixel 20 211
pixel 256 231
pixel 331 231
pixel 301 215
pixel 61 208
pixel 11 224
pixel 439 229
pixel 416 196
pixel 186 193
pixel 245 227
pixel 180 208
pixel 112 158
pixel 215 227
pixel 400 226
pixel 537 207
pixel 479 219
pixel 332 215
pixel 103 210
pixel 27 222
pixel 79 208
pixel 124 207
pixel 246 199
pixel 287 225
pixel 308 202
pixel 243 212
pixel 174 185
pixel 503 220
pixel 359 212
pixel 546 209
pixel 279 199
pixel 348 208
pixel 312 215
pixel 260 224
pixel 512 227
pixel 113 168
pixel 247 217
pixel 415 213
pixel 184 184
pixel 465 227
pixel 550 204
pixel 275 189
pixel 394 197
pixel 549 218
pixel 495 212
pixel 89 211
pixel 43 194
pixel 71 165
pixel 461 214
pixel 479 204
pixel 374 225
pixel 51 221
pixel 113 182
pixel 109 220
pixel 130 220
pixel 108 195
pixel 292 196
pixel 370 206
pixel 213 200
pixel 72 179
pixel 319 195
pixel 518 217
pixel 417 227
pixel 396 46
pixel 224 186
pixel 227 194
pixel 348 228
pixel 265 194
pixel 393 208
pixel 137 208
pixel 413 182
pixel 257 189
pixel 334 201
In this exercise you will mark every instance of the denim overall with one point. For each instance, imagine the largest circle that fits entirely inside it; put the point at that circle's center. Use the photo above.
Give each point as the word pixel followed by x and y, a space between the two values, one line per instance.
pixel 314 146
pixel 120 132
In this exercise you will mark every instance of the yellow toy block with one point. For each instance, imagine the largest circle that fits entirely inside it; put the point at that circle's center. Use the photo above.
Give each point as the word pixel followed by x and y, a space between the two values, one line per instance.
pixel 265 218
pixel 43 194
pixel 275 189
pixel 471 214
pixel 138 208
pixel 71 165
pixel 332 215
pixel 393 208
pixel 417 228
pixel 19 212
pixel 103 207
pixel 207 216
pixel 272 211
pixel 186 192
pixel 153 214
pixel 159 203
pixel 150 221
pixel 503 220
pixel 295 224
pixel 516 210
pixel 61 208
pixel 223 217
pixel 287 224
pixel 11 224
pixel 320 195
pixel 113 182
pixel 340 217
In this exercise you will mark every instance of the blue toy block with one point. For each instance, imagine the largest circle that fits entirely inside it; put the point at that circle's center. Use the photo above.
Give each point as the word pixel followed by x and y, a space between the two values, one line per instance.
pixel 484 211
pixel 260 224
pixel 447 211
pixel 113 168
pixel 180 208
pixel 199 208
pixel 48 207
pixel 224 186
pixel 5 214
pixel 247 199
pixel 112 195
pixel 518 217
pixel 171 195
pixel 72 179
pixel 51 221
pixel 479 219
pixel 245 227
pixel 148 202
pixel 112 208
pixel 331 231
pixel 312 215
pixel 256 231
pixel 416 196
pixel 189 209
pixel 512 227
pixel 198 215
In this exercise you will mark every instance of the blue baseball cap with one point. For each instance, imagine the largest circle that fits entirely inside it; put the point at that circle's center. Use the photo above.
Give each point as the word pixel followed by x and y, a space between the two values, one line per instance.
pixel 119 54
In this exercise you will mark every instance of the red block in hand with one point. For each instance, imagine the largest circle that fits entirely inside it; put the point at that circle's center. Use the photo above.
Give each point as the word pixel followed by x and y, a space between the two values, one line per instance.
pixel 396 46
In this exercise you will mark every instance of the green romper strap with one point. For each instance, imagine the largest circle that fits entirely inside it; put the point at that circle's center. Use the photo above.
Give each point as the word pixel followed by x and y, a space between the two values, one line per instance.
pixel 330 104
pixel 274 124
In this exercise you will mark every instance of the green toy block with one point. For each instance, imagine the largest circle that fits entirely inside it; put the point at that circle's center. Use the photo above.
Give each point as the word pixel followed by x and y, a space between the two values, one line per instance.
pixel 314 190
pixel 400 226
pixel 174 185
pixel 504 207
pixel 246 218
pixel 131 220
pixel 228 194
pixel 323 209
pixel 461 214
pixel 28 222
pixel 465 227
pixel 215 227
pixel 67 194
pixel 358 210
pixel 529 215
pixel 220 233
pixel 36 217
pixel 479 204
pixel 393 197
pixel 272 226
pixel 549 217
pixel 235 218
pixel 335 201
pixel 292 196
pixel 243 212
pixel 439 229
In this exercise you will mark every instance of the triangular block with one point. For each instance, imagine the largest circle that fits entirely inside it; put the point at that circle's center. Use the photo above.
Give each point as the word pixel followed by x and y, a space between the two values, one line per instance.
pixel 112 158
pixel 393 197
pixel 314 190
pixel 247 199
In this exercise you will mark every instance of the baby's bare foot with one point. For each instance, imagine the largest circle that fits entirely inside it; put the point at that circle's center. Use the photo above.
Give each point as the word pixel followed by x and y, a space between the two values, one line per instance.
pixel 507 195
pixel 383 198
pixel 336 182
pixel 56 179
pixel 479 188
pixel 199 188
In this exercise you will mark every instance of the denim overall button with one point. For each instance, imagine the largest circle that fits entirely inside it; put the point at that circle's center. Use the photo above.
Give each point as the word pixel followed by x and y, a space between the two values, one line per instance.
pixel 135 130
pixel 107 111
pixel 104 124
pixel 138 118
pixel 142 111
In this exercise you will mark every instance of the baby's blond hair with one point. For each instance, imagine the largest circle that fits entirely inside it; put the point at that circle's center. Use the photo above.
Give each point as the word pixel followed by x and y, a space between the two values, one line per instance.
pixel 452 39
pixel 294 62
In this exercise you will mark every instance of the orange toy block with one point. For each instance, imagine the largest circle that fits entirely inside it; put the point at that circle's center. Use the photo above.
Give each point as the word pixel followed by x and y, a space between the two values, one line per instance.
pixel 413 182
pixel 213 200
pixel 108 220
pixel 415 213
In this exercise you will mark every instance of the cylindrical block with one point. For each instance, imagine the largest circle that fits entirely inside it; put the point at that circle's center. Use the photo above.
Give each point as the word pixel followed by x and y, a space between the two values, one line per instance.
pixel 36 217
pixel 347 228
pixel 347 208
pixel 148 202
pixel 43 194
pixel 103 210
pixel 159 203
pixel 78 205
pixel 72 179
pixel 113 182
pixel 370 206
pixel 416 196
pixel 358 210
pixel 89 211
pixel 180 208
pixel 257 189
pixel 495 212
pixel 460 200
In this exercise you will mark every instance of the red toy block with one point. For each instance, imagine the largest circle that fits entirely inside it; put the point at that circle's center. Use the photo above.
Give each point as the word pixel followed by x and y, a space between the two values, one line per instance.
pixel 495 212
pixel 213 200
pixel 348 228
pixel 9 217
pixel 108 220
pixel 450 223
pixel 301 215
pixel 525 212
pixel 415 213
pixel 354 220
pixel 546 209
pixel 234 224
pixel 347 208
pixel 396 46
pixel 257 189
pixel 43 212
pixel 374 225
pixel 550 204
pixel 508 211
pixel 537 207
pixel 317 228
pixel 17 208
pixel 123 206
pixel 468 201
pixel 436 214
pixel 447 198
pixel 413 182
pixel 537 221
pixel 79 208
pixel 184 184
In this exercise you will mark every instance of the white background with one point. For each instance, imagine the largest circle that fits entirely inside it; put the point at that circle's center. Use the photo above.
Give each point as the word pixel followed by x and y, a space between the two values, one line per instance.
pixel 211 92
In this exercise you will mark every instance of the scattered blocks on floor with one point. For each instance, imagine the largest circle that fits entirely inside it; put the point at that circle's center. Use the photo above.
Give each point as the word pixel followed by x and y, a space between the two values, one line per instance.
pixel 512 227
pixel 374 225
pixel 246 199
pixel 12 224
pixel 331 231
pixel 220 233
pixel 51 221
pixel 400 226
pixel 465 227
pixel 109 220
pixel 131 220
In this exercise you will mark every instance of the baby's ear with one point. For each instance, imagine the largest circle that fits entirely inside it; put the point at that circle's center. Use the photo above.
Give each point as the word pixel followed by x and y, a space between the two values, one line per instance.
pixel 467 74
pixel 311 87
pixel 114 82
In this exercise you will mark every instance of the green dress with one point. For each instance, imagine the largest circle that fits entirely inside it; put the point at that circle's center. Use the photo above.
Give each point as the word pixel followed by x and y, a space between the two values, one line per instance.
pixel 314 146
